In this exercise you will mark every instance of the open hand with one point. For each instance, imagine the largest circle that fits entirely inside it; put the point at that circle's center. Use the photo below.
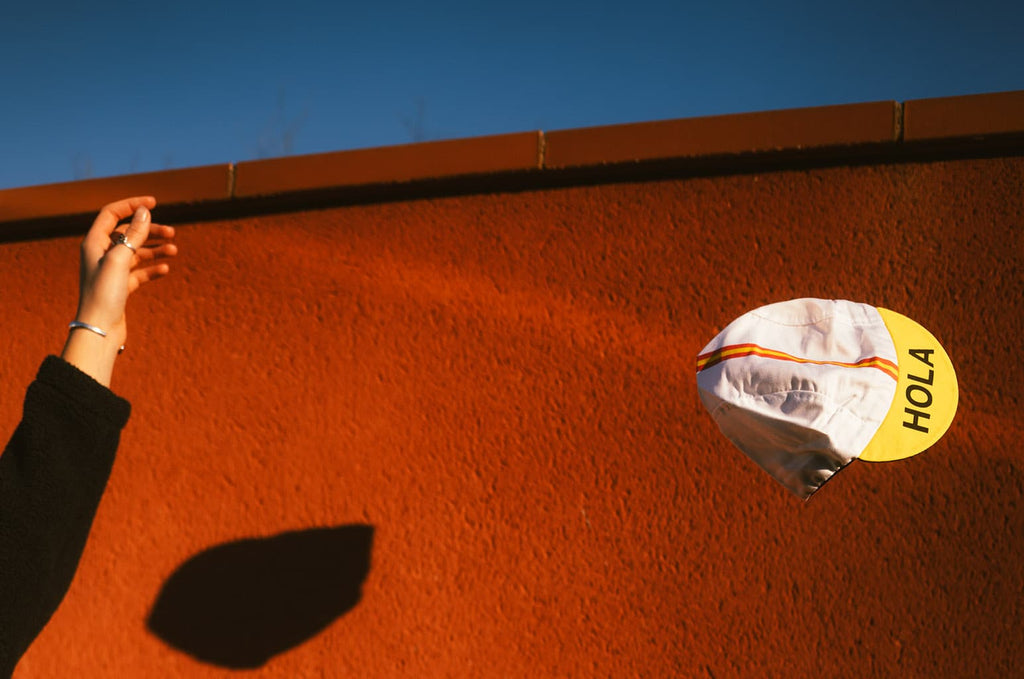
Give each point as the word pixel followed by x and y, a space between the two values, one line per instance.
pixel 115 263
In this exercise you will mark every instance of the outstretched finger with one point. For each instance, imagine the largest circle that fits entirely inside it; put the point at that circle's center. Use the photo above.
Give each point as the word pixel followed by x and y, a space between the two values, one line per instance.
pixel 145 274
pixel 160 232
pixel 156 252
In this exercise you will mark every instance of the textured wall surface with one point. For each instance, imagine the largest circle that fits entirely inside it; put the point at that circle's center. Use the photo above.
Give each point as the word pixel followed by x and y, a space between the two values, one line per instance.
pixel 502 387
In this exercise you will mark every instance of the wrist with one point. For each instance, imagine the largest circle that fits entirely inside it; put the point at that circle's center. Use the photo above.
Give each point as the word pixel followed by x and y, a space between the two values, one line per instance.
pixel 93 349
pixel 99 324
pixel 80 325
pixel 92 354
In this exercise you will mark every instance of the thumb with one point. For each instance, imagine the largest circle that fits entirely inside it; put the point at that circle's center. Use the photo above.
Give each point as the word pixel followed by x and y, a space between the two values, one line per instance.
pixel 138 231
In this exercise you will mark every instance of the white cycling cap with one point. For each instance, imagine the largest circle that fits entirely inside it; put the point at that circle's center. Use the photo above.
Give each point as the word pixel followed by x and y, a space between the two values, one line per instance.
pixel 804 387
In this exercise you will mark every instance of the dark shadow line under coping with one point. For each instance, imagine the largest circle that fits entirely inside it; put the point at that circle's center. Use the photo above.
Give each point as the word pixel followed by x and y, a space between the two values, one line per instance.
pixel 520 181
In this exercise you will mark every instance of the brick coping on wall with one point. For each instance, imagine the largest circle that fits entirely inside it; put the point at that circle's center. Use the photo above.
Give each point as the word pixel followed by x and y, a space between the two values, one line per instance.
pixel 876 132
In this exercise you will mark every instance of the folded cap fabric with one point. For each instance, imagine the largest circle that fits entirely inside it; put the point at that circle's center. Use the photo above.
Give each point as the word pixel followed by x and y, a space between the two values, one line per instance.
pixel 806 386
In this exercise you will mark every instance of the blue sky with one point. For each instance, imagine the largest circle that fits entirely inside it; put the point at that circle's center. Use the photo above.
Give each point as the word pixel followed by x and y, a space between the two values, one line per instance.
pixel 107 88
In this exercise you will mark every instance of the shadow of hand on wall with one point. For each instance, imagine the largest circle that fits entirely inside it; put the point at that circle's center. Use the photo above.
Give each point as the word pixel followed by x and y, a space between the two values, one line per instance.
pixel 239 604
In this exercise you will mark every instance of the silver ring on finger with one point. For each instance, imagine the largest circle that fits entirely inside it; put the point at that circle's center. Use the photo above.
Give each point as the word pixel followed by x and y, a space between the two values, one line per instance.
pixel 118 238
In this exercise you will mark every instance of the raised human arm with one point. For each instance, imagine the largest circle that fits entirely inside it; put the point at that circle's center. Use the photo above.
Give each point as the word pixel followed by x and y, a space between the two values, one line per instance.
pixel 55 468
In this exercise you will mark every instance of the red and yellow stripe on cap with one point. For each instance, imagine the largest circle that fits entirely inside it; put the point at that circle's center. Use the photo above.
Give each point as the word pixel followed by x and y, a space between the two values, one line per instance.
pixel 705 361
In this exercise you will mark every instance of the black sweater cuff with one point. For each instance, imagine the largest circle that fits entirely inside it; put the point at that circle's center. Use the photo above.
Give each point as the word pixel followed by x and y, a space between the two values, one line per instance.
pixel 83 390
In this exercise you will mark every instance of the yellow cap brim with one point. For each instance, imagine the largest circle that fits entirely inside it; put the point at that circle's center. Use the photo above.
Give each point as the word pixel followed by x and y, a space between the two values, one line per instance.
pixel 926 394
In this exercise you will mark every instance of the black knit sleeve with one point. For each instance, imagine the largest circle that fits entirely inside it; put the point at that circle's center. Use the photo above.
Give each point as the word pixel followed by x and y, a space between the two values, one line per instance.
pixel 52 475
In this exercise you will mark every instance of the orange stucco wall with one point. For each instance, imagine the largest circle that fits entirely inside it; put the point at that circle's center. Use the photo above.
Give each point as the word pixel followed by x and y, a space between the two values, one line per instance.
pixel 502 386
